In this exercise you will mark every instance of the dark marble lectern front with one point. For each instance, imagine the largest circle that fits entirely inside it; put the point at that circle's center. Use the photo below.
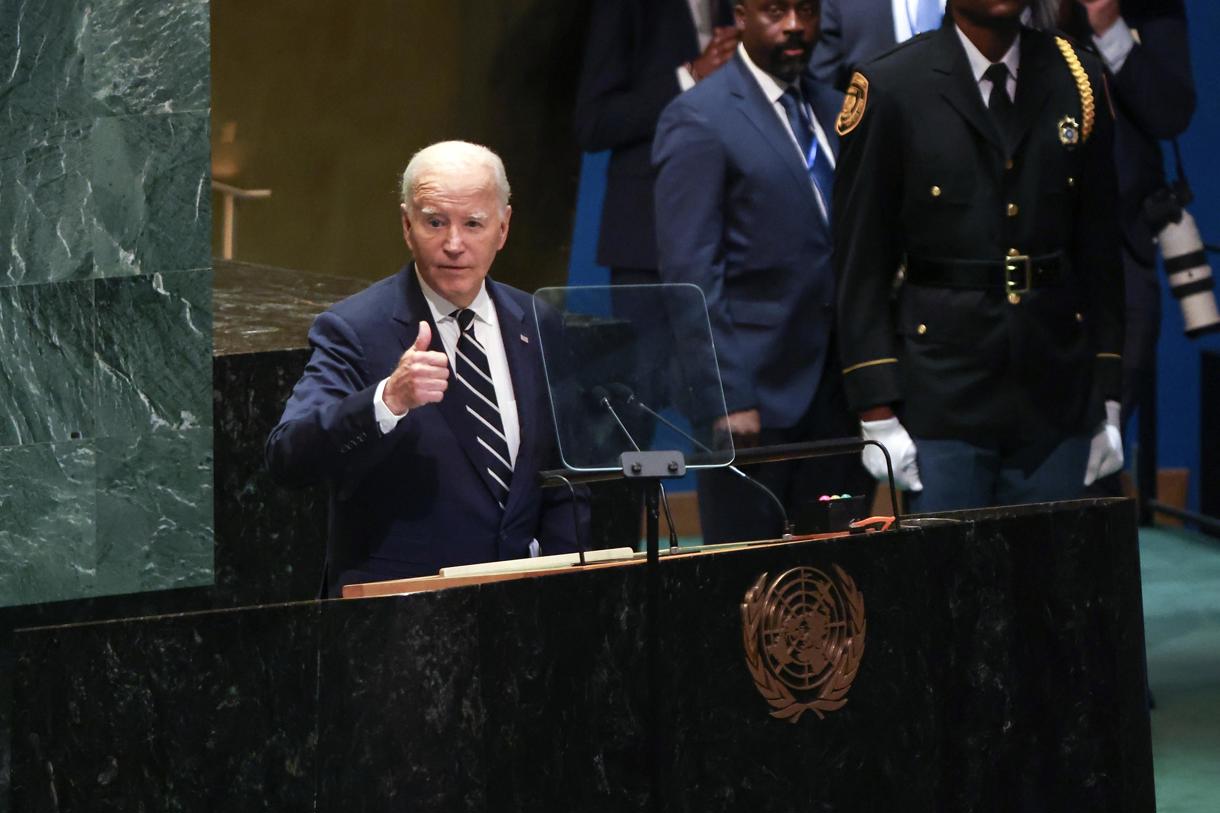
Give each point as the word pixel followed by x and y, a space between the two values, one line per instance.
pixel 1002 671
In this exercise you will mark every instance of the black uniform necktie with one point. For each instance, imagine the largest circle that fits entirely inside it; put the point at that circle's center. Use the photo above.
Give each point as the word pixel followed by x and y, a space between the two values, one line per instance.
pixel 999 103
pixel 479 393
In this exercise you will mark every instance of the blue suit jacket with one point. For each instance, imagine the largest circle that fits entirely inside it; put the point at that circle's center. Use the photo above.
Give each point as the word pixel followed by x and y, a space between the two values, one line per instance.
pixel 632 54
pixel 737 216
pixel 410 502
pixel 853 32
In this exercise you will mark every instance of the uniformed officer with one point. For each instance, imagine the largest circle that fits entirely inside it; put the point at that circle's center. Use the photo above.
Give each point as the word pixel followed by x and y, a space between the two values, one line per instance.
pixel 977 174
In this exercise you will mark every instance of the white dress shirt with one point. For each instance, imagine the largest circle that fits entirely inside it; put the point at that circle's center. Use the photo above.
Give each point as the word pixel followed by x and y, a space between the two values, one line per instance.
pixel 487 331
pixel 979 65
pixel 773 89
pixel 904 18
pixel 1115 44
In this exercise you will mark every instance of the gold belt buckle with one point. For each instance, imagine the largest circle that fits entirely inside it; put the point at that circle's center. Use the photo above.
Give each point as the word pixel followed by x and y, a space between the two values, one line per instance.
pixel 1015 265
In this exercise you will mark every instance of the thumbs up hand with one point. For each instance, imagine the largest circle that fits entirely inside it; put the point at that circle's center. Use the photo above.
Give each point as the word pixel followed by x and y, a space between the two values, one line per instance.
pixel 421 377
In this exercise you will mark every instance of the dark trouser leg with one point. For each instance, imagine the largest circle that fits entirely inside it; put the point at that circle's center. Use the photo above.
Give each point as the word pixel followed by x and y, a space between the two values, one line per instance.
pixel 733 510
pixel 955 475
pixel 1059 477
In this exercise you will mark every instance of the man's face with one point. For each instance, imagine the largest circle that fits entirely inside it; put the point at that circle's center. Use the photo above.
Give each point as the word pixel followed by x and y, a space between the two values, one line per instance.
pixel 779 34
pixel 454 226
pixel 989 12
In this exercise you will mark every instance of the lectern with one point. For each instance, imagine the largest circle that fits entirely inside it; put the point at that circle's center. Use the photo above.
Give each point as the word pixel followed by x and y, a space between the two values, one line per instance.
pixel 980 661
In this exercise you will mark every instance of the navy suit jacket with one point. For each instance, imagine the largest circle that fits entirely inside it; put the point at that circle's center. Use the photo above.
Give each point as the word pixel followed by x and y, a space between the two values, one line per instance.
pixel 410 502
pixel 853 32
pixel 737 216
pixel 632 55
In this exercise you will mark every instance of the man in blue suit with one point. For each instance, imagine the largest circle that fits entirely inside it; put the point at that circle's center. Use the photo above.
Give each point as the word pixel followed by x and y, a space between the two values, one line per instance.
pixel 856 31
pixel 424 405
pixel 745 163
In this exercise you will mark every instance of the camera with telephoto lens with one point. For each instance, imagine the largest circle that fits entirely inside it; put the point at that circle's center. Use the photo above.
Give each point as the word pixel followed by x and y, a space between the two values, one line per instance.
pixel 1190 276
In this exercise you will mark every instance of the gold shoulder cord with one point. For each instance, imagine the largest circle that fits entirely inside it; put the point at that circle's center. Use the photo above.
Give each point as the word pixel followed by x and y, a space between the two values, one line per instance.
pixel 1088 107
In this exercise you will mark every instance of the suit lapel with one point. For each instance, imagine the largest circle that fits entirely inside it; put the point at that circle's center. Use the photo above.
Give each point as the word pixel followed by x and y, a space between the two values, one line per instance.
pixel 959 88
pixel 761 114
pixel 515 324
pixel 410 308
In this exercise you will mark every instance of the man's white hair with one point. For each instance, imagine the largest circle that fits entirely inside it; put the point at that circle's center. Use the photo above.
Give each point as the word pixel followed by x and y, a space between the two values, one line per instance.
pixel 458 156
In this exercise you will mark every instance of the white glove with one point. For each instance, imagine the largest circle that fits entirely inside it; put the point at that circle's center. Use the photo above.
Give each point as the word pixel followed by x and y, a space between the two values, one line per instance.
pixel 1106 448
pixel 893 436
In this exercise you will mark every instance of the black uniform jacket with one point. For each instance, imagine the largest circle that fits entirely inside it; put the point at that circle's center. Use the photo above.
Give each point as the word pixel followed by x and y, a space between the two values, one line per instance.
pixel 924 175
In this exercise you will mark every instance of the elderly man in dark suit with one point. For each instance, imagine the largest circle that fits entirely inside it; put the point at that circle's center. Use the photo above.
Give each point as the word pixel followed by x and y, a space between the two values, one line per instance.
pixel 745 165
pixel 424 406
pixel 979 159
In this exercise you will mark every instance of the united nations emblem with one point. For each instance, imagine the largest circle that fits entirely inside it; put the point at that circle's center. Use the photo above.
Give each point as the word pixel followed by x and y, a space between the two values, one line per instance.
pixel 854 104
pixel 1069 132
pixel 804 637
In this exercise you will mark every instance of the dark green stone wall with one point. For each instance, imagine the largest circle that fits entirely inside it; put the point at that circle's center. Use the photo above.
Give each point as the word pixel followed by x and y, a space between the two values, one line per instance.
pixel 105 298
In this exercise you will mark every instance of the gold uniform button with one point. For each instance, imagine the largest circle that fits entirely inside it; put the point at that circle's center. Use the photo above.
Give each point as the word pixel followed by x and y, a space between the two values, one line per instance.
pixel 936 191
pixel 1014 299
pixel 921 330
pixel 1071 183
pixel 1080 317
pixel 1012 252
pixel 1008 164
pixel 1013 210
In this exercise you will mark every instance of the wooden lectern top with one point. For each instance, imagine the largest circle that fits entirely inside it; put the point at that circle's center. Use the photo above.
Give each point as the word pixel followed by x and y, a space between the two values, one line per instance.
pixel 488 572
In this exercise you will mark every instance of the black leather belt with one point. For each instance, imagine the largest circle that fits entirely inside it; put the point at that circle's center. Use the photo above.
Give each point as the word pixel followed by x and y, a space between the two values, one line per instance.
pixel 1015 274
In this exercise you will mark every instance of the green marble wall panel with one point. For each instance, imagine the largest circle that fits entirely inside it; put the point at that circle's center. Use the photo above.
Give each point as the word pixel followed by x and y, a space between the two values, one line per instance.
pixel 105 298
pixel 47 213
pixel 149 56
pixel 154 352
pixel 47 516
pixel 43 45
pixel 78 59
pixel 154 512
pixel 151 193
pixel 46 367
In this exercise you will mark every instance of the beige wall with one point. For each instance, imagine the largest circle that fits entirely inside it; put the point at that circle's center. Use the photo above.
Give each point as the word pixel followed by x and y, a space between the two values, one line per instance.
pixel 324 102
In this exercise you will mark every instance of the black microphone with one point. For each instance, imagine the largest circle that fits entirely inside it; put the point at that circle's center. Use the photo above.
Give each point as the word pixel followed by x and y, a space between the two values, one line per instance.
pixel 627 396
pixel 601 396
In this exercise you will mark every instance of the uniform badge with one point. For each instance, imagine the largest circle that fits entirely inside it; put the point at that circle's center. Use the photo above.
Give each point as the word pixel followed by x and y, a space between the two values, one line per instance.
pixel 1069 132
pixel 803 633
pixel 853 105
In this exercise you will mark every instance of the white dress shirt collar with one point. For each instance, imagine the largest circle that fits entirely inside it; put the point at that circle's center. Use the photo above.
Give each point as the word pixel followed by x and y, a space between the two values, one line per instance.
pixel 773 89
pixel 979 64
pixel 443 309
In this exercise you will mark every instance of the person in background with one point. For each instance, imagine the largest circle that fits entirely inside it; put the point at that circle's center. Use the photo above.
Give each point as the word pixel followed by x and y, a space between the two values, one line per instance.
pixel 745 164
pixel 856 31
pixel 1145 47
pixel 979 160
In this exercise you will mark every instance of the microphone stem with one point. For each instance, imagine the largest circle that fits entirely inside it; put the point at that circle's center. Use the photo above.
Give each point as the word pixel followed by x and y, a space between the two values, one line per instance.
pixel 733 468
